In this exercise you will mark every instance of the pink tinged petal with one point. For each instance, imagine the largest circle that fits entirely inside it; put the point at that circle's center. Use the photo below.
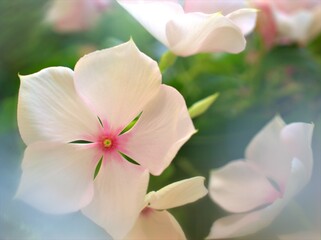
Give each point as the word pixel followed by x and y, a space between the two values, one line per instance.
pixel 245 19
pixel 49 108
pixel 72 15
pixel 239 225
pixel 57 178
pixel 297 139
pixel 120 188
pixel 161 130
pixel 268 153
pixel 239 187
pixel 315 27
pixel 153 15
pixel 178 193
pixel 207 6
pixel 196 33
pixel 156 225
pixel 117 82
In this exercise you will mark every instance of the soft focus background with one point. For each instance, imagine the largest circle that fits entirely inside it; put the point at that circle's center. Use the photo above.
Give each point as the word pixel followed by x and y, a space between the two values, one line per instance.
pixel 254 86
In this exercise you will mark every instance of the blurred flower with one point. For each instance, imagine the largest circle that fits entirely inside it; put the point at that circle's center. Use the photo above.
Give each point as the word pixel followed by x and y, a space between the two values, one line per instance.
pixel 75 15
pixel 154 221
pixel 191 32
pixel 288 21
pixel 278 164
pixel 72 122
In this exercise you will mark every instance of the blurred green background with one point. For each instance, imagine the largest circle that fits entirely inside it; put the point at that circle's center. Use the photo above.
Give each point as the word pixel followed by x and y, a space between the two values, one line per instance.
pixel 254 86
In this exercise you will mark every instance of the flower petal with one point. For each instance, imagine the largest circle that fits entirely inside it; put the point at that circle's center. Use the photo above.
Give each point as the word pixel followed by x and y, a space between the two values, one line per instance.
pixel 239 225
pixel 178 193
pixel 161 130
pixel 239 187
pixel 206 6
pixel 117 82
pixel 266 150
pixel 153 15
pixel 50 109
pixel 156 225
pixel 120 188
pixel 57 178
pixel 245 19
pixel 197 32
pixel 297 138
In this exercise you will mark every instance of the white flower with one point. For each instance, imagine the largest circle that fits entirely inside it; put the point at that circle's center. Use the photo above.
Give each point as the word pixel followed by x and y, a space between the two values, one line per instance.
pixel 278 165
pixel 93 104
pixel 288 21
pixel 155 222
pixel 188 33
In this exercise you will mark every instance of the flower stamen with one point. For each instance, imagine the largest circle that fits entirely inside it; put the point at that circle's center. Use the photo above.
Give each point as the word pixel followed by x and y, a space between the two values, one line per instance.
pixel 107 143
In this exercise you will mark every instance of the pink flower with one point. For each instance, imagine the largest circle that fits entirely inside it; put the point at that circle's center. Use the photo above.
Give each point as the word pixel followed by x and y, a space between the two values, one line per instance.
pixel 288 21
pixel 70 120
pixel 75 15
pixel 190 32
pixel 155 222
pixel 278 165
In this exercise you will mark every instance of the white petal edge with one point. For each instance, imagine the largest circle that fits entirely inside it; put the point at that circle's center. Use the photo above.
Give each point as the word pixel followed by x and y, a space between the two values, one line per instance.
pixel 163 127
pixel 57 178
pixel 206 6
pixel 178 194
pixel 156 225
pixel 239 187
pixel 193 33
pixel 120 188
pixel 266 150
pixel 49 108
pixel 117 83
pixel 245 19
pixel 297 137
pixel 153 15
pixel 239 225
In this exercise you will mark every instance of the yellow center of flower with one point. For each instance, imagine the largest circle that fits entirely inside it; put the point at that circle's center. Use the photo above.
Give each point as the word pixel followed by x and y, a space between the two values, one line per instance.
pixel 107 143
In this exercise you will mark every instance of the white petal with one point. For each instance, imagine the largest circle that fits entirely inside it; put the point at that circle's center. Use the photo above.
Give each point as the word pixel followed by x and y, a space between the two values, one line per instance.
pixel 57 178
pixel 297 138
pixel 156 225
pixel 245 19
pixel 239 225
pixel 120 188
pixel 178 193
pixel 196 32
pixel 153 15
pixel 266 151
pixel 207 6
pixel 50 109
pixel 117 82
pixel 288 25
pixel 239 187
pixel 162 129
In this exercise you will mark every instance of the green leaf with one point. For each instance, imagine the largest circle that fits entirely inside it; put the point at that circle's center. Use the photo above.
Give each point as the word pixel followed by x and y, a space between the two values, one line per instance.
pixel 201 106
pixel 167 60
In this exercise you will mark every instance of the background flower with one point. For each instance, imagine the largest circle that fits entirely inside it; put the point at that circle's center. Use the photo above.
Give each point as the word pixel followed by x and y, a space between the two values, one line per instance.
pixel 278 164
pixel 285 22
pixel 194 32
pixel 75 15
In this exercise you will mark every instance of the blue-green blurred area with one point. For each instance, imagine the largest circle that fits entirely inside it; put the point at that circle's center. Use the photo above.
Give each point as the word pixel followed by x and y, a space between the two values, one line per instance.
pixel 254 86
